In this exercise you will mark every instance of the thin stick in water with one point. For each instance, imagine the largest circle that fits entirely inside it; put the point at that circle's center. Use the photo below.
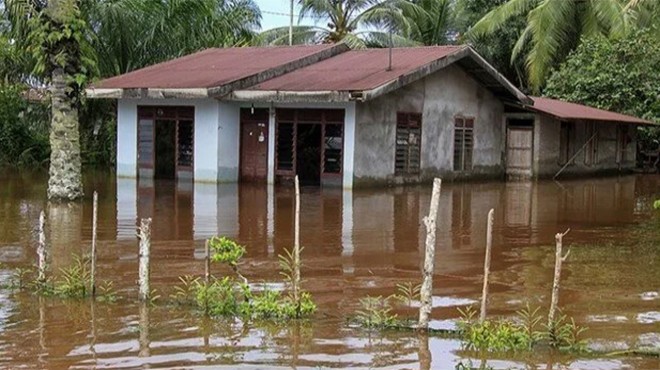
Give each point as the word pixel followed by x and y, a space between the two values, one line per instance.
pixel 207 262
pixel 426 291
pixel 145 249
pixel 489 246
pixel 94 231
pixel 41 248
pixel 296 249
pixel 556 282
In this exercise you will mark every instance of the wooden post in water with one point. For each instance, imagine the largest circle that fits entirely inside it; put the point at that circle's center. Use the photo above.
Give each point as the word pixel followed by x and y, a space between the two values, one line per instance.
pixel 296 250
pixel 143 326
pixel 145 249
pixel 426 292
pixel 41 249
pixel 489 246
pixel 555 284
pixel 95 212
pixel 207 262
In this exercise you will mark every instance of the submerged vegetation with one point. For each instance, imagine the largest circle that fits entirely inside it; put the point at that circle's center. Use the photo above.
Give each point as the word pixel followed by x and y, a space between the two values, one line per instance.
pixel 234 296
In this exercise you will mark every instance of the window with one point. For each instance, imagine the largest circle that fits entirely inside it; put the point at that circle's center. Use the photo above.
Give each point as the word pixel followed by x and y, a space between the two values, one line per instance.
pixel 285 132
pixel 408 143
pixel 591 150
pixel 185 145
pixel 332 146
pixel 566 133
pixel 463 143
pixel 622 140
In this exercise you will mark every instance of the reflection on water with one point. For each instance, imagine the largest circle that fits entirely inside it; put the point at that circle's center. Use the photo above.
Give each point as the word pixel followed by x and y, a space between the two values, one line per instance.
pixel 357 243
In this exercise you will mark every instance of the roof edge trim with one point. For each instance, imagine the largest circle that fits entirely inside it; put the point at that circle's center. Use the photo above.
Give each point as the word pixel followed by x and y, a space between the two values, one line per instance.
pixel 153 93
pixel 287 96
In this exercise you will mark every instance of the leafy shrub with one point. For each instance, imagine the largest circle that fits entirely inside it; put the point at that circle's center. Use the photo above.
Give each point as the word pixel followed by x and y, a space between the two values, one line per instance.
pixel 226 250
pixel 656 204
pixel 376 313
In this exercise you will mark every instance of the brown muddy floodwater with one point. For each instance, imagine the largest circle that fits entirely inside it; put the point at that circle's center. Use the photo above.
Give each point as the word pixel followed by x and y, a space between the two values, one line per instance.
pixel 356 244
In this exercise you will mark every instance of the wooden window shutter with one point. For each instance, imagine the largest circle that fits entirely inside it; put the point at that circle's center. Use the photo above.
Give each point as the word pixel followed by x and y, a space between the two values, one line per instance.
pixel 408 143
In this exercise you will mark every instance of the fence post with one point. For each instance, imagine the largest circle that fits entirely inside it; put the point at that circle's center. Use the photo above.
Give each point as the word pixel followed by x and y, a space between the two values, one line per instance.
pixel 145 249
pixel 296 250
pixel 41 249
pixel 207 262
pixel 556 282
pixel 489 246
pixel 94 231
pixel 426 290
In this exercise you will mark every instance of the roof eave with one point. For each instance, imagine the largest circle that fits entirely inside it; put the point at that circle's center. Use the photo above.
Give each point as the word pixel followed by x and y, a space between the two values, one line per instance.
pixel 576 119
pixel 150 93
pixel 279 96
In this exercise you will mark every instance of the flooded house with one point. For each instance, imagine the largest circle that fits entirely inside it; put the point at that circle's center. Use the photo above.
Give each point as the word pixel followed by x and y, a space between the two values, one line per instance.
pixel 341 117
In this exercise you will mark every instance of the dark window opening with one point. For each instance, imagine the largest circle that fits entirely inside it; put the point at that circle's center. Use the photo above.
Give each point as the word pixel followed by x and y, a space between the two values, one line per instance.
pixel 308 154
pixel 285 135
pixel 333 143
pixel 591 150
pixel 566 137
pixel 408 143
pixel 185 143
pixel 463 143
pixel 145 142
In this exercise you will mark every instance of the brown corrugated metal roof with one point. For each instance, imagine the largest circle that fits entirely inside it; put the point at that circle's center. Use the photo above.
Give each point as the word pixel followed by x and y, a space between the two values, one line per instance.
pixel 565 110
pixel 357 70
pixel 211 67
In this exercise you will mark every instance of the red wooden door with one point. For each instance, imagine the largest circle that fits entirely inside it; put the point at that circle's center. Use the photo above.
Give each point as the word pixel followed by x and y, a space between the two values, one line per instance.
pixel 254 145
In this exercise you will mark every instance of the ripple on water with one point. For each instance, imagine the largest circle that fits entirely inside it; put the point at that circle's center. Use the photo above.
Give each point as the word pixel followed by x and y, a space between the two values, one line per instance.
pixel 650 317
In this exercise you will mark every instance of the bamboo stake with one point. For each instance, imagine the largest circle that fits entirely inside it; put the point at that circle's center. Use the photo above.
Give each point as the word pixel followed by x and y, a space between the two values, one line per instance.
pixel 145 249
pixel 94 230
pixel 207 262
pixel 555 284
pixel 41 249
pixel 296 249
pixel 143 326
pixel 429 259
pixel 489 246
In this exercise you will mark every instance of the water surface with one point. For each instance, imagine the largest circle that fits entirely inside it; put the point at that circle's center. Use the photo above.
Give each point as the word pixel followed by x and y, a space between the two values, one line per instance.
pixel 356 243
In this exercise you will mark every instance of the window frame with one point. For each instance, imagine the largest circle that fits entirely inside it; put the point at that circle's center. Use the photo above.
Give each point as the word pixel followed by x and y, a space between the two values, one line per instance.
pixel 462 130
pixel 411 120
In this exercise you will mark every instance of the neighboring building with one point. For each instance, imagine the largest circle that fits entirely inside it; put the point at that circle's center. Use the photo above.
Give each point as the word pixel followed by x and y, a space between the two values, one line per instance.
pixel 343 117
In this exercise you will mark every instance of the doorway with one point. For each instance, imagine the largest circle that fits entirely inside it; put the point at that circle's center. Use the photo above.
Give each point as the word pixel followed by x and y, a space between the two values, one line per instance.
pixel 254 145
pixel 165 148
pixel 165 142
pixel 308 154
pixel 519 148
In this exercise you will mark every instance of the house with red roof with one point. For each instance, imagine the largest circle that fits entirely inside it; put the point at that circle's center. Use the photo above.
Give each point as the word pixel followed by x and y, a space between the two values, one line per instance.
pixel 341 117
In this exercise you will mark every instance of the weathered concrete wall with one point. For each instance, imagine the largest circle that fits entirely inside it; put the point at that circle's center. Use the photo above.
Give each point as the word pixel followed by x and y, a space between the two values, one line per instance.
pixel 547 131
pixel 440 97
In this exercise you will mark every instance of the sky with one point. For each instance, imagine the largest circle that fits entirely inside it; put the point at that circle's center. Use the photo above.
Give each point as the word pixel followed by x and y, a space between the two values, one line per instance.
pixel 275 13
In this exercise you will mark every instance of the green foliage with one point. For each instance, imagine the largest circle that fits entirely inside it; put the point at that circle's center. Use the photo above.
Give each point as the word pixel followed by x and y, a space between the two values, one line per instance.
pixel 23 128
pixel 656 204
pixel 376 313
pixel 74 280
pixel 407 292
pixel 620 75
pixel 522 333
pixel 553 28
pixel 565 334
pixel 226 250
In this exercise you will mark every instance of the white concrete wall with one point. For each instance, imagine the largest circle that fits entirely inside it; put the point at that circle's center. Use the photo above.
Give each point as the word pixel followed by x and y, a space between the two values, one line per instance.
pixel 207 160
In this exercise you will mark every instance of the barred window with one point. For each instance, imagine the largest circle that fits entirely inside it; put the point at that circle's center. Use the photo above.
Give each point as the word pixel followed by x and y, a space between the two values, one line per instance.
pixel 463 143
pixel 408 143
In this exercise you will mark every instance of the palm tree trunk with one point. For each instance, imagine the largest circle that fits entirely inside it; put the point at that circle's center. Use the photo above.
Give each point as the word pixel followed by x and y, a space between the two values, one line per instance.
pixel 65 175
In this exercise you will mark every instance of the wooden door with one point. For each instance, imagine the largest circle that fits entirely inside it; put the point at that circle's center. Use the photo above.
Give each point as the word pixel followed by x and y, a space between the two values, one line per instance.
pixel 519 153
pixel 254 145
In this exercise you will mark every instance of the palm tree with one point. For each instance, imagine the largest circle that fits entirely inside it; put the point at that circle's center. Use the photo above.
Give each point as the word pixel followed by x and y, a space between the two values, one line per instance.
pixel 553 29
pixel 434 25
pixel 358 23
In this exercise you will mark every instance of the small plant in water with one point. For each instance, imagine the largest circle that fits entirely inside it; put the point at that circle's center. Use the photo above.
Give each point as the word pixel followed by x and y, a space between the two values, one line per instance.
pixel 407 293
pixel 565 334
pixel 74 280
pixel 376 313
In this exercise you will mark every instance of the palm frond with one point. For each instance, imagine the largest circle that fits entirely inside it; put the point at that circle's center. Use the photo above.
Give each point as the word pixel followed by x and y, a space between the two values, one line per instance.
pixel 302 35
pixel 498 17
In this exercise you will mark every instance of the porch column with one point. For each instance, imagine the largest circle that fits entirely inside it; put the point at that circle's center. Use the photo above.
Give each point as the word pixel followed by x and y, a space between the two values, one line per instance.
pixel 271 147
pixel 349 146
pixel 127 138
